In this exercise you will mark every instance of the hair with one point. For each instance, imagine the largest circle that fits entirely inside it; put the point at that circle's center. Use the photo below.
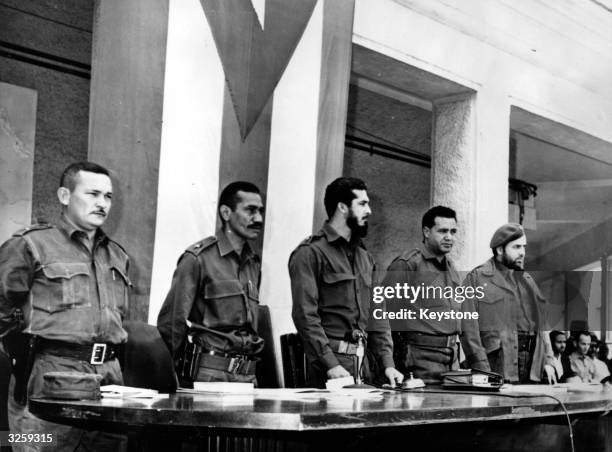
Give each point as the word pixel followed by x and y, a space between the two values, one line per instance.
pixel 582 333
pixel 229 196
pixel 554 333
pixel 341 190
pixel 429 219
pixel 68 179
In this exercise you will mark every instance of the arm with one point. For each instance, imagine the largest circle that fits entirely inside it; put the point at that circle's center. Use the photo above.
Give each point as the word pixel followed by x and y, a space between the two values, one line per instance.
pixel 379 331
pixel 303 271
pixel 16 275
pixel 470 332
pixel 172 318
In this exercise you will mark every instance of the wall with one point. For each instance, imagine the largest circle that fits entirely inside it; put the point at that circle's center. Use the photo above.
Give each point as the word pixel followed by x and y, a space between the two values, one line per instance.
pixel 542 58
pixel 46 46
pixel 399 191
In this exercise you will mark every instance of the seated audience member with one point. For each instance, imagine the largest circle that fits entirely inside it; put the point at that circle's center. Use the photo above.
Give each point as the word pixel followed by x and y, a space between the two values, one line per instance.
pixel 601 369
pixel 604 350
pixel 579 361
pixel 557 340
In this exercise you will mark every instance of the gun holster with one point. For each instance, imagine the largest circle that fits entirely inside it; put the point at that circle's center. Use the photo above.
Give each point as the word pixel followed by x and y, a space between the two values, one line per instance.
pixel 188 362
pixel 21 347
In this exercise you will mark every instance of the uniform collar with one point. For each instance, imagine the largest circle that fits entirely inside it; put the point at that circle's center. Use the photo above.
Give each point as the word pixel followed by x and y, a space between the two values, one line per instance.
pixel 70 230
pixel 428 255
pixel 332 235
pixel 225 246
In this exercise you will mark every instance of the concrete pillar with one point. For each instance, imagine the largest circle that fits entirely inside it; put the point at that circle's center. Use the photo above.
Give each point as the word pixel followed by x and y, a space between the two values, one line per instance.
pixel 333 97
pixel 453 165
pixel 191 143
pixel 470 168
pixel 129 46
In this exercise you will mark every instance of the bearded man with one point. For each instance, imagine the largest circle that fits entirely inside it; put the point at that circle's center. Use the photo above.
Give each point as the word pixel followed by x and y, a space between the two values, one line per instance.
pixel 331 284
pixel 509 337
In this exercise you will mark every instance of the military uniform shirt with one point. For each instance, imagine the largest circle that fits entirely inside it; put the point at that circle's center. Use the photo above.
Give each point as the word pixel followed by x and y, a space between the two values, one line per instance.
pixel 65 291
pixel 214 297
pixel 421 268
pixel 332 296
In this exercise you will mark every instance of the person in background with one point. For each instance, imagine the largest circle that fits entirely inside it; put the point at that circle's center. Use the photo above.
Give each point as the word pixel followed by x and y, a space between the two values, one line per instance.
pixel 557 341
pixel 601 368
pixel 579 360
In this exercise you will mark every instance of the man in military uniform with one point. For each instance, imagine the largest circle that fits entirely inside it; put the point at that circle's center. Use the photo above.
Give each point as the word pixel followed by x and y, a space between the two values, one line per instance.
pixel 510 335
pixel 209 318
pixel 67 287
pixel 424 346
pixel 331 281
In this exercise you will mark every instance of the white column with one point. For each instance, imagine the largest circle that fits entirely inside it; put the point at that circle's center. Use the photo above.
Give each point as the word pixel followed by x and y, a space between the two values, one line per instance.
pixel 190 143
pixel 491 170
pixel 291 175
pixel 470 163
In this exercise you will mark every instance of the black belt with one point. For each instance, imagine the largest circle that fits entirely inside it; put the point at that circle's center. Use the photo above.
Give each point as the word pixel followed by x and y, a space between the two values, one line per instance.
pixel 237 364
pixel 94 353
pixel 429 340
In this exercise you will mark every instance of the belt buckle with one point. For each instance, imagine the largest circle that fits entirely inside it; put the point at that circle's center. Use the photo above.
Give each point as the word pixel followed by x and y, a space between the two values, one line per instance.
pixel 235 364
pixel 98 353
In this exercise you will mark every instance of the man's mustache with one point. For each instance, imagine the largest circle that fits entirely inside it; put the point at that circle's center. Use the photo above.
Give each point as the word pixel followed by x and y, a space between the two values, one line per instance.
pixel 255 226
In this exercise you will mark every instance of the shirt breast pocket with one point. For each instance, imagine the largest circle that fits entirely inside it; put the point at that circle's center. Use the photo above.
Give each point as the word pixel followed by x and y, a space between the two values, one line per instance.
pixel 120 288
pixel 335 288
pixel 62 286
pixel 224 304
pixel 491 313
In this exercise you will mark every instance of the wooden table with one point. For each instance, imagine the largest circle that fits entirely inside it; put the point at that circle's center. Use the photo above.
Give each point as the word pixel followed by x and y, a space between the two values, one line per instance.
pixel 440 417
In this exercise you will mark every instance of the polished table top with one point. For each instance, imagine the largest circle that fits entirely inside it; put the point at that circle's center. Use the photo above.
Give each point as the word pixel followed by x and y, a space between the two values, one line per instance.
pixel 279 410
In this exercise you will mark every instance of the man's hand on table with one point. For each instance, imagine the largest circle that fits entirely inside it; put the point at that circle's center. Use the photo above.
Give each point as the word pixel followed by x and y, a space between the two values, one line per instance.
pixel 394 376
pixel 337 372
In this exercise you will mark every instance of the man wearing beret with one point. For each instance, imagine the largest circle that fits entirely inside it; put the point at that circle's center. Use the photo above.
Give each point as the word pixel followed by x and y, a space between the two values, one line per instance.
pixel 509 335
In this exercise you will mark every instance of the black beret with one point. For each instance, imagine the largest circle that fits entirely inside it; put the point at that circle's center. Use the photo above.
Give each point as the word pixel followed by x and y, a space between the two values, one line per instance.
pixel 506 233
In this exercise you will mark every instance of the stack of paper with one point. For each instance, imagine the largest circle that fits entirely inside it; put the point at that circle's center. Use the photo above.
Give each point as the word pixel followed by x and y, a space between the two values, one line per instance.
pixel 121 392
pixel 223 387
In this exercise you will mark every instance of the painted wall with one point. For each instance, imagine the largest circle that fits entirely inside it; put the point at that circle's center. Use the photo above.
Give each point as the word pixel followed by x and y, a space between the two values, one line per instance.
pixel 61 29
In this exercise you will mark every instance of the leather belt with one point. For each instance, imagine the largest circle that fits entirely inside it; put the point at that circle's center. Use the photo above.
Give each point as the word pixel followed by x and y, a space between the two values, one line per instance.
pixel 96 354
pixel 238 364
pixel 343 347
pixel 429 340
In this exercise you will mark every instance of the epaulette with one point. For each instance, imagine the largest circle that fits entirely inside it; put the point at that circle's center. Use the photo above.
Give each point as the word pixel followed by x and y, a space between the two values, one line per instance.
pixel 200 246
pixel 310 239
pixel 407 255
pixel 33 227
pixel 118 244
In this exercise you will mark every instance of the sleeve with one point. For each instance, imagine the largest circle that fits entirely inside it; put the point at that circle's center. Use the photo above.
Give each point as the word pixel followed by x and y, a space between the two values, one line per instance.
pixel 380 342
pixel 470 332
pixel 303 271
pixel 172 318
pixel 17 266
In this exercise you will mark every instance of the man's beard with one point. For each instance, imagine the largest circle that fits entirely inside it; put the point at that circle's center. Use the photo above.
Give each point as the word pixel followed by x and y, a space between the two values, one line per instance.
pixel 511 264
pixel 358 231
